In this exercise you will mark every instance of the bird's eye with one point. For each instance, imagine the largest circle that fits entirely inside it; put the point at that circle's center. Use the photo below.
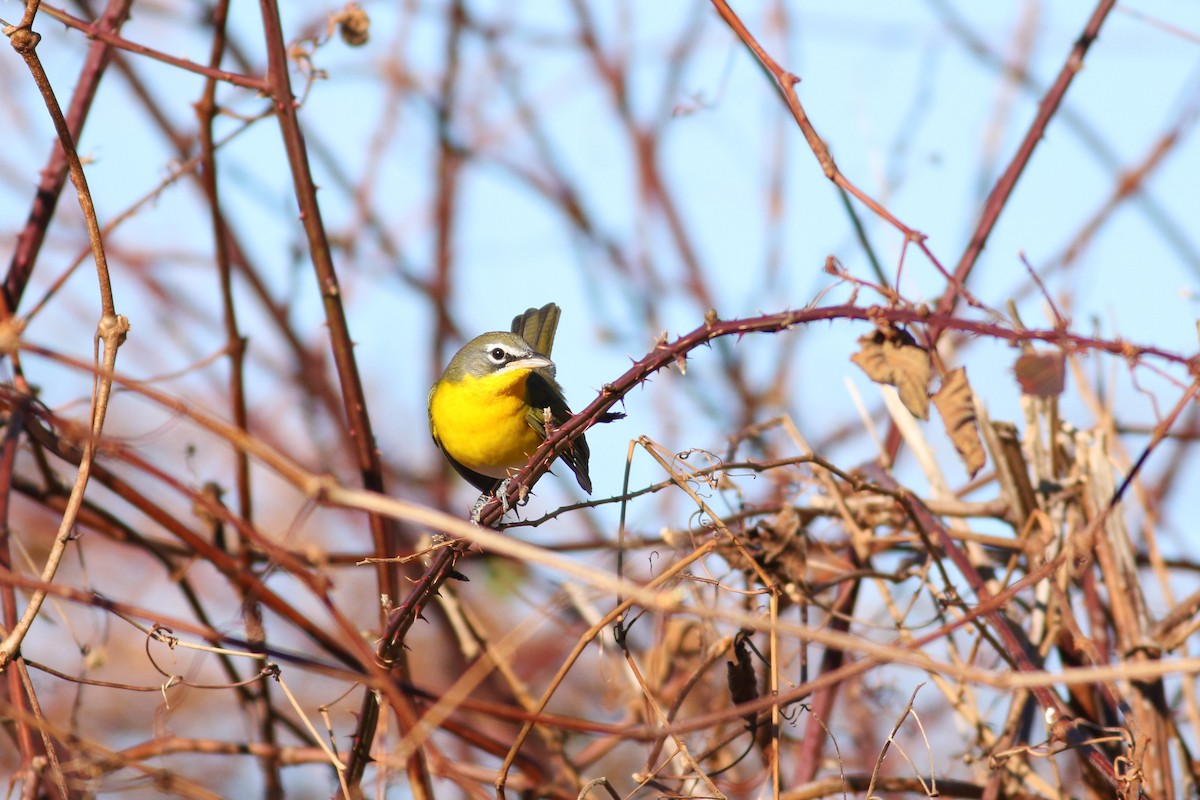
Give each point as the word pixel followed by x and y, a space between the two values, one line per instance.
pixel 497 354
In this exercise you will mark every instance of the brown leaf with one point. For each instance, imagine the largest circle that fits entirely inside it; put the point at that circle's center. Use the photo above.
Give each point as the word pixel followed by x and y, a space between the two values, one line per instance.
pixel 895 358
pixel 956 404
pixel 1041 374
pixel 743 687
pixel 778 546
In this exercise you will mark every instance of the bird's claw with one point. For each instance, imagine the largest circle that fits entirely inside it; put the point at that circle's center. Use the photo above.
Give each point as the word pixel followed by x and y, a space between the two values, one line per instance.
pixel 478 508
pixel 501 494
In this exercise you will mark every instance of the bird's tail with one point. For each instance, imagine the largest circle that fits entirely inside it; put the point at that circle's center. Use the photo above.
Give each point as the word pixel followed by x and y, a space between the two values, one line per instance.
pixel 537 326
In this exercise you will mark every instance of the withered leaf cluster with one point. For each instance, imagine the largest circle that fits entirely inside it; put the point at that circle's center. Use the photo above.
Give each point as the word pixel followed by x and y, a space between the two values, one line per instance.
pixel 891 355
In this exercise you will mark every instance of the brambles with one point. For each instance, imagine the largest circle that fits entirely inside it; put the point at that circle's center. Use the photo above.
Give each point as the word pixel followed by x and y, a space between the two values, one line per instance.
pixel 804 587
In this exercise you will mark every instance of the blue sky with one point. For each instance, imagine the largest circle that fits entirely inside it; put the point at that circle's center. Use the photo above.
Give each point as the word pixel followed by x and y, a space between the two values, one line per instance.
pixel 914 117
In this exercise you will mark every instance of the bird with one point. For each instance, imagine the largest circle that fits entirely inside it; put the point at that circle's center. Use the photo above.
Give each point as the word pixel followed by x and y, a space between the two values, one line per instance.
pixel 488 412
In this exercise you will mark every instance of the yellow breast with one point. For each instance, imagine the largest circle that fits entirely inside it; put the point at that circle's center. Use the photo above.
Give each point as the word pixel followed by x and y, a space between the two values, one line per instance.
pixel 481 422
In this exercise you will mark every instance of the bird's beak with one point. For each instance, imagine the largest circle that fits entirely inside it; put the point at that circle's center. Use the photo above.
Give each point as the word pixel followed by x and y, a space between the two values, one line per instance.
pixel 531 362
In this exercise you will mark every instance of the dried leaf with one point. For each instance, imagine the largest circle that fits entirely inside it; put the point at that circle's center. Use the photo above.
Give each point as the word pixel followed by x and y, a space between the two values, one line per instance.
pixel 895 358
pixel 956 404
pixel 1041 374
pixel 778 546
pixel 739 676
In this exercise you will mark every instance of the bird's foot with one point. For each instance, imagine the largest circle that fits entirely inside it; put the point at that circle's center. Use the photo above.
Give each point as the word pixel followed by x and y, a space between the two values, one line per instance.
pixel 478 508
pixel 501 494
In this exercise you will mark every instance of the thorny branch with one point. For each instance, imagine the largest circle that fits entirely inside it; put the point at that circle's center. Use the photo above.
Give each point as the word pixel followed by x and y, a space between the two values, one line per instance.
pixel 225 558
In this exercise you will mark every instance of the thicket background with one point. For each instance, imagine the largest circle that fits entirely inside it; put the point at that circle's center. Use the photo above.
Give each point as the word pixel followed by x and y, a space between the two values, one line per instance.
pixel 225 558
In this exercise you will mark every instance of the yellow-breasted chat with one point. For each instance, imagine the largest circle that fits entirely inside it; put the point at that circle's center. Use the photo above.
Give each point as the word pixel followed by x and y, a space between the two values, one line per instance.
pixel 487 412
